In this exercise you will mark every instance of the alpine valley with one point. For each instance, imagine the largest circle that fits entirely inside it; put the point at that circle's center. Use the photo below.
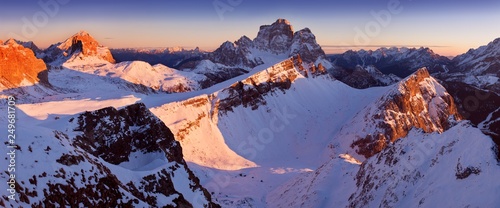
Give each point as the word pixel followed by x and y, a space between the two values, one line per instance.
pixel 271 121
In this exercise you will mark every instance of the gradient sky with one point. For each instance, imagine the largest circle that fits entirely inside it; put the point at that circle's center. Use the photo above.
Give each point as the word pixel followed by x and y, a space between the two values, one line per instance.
pixel 448 27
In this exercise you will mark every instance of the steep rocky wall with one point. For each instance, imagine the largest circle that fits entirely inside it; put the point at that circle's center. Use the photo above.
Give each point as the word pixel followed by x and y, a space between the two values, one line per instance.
pixel 419 101
pixel 18 63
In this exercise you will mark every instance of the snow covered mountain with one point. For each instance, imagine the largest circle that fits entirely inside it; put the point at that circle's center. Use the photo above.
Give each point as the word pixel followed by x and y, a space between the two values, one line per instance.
pixel 404 143
pixel 418 101
pixel 392 62
pixel 275 40
pixel 80 47
pixel 420 170
pixel 171 57
pixel 107 157
pixel 479 67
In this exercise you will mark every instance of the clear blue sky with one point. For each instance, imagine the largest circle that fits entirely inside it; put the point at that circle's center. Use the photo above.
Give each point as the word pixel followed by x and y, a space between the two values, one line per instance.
pixel 447 27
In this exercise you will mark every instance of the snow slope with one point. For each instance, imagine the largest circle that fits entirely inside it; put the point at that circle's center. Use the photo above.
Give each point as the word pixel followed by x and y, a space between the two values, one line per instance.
pixel 421 170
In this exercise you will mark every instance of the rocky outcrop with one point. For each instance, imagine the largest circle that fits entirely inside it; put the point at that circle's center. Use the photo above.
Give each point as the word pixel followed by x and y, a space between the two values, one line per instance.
pixel 251 91
pixel 125 157
pixel 19 65
pixel 109 134
pixel 418 101
pixel 78 46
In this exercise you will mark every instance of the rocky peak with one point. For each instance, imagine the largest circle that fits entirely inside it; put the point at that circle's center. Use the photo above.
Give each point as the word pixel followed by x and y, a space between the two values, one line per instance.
pixel 244 42
pixel 418 101
pixel 304 43
pixel 82 45
pixel 276 37
pixel 18 64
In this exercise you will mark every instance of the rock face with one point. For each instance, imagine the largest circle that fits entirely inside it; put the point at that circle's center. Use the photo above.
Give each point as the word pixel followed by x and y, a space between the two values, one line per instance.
pixel 18 65
pixel 110 157
pixel 277 38
pixel 79 46
pixel 304 44
pixel 417 101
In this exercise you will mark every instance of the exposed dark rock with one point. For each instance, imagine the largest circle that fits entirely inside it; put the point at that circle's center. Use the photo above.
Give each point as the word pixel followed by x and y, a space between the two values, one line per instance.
pixel 414 103
pixel 112 135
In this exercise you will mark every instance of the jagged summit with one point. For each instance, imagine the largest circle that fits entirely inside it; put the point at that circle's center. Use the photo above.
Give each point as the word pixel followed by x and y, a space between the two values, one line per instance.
pixel 278 38
pixel 81 45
